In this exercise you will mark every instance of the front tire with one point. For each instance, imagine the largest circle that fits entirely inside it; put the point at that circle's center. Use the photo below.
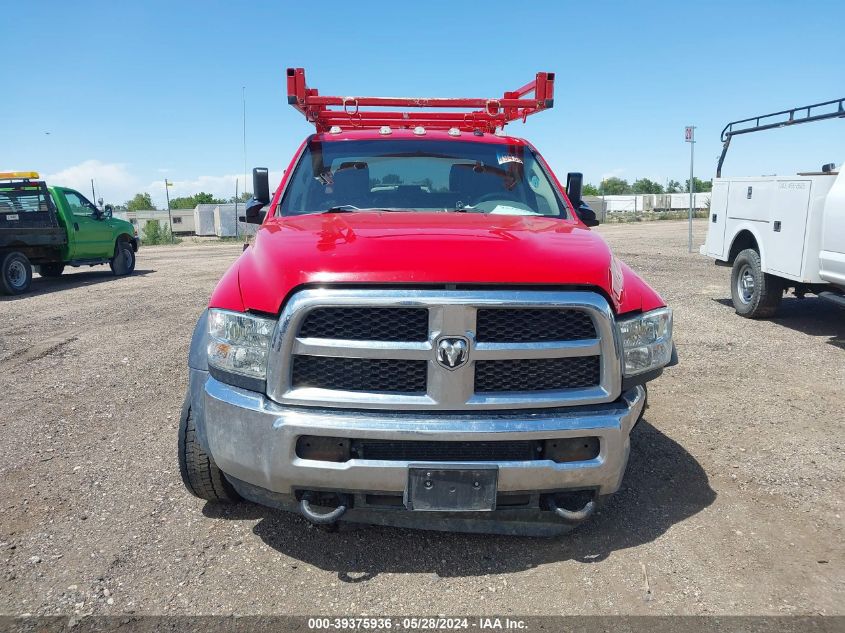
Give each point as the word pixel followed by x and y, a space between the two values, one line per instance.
pixel 15 273
pixel 50 270
pixel 755 294
pixel 200 474
pixel 123 262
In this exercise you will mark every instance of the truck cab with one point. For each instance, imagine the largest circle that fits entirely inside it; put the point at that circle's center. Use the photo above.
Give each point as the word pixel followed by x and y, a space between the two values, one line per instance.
pixel 49 228
pixel 424 332
pixel 779 232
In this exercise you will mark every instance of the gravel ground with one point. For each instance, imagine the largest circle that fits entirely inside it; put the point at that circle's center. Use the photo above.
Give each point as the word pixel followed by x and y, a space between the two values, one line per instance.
pixel 732 503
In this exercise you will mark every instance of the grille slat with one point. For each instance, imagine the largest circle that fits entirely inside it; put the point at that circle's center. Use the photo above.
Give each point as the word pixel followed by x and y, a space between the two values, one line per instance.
pixel 367 324
pixel 537 374
pixel 525 325
pixel 360 374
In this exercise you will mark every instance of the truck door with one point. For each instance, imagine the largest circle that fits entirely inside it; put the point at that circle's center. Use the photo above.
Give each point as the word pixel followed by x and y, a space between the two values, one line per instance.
pixel 832 256
pixel 90 237
pixel 715 244
pixel 788 226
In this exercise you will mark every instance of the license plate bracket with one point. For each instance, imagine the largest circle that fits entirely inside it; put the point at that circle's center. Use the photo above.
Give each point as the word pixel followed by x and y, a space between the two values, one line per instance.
pixel 452 488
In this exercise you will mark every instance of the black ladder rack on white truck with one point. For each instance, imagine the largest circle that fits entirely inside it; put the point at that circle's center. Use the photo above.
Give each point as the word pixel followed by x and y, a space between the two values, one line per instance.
pixel 779 232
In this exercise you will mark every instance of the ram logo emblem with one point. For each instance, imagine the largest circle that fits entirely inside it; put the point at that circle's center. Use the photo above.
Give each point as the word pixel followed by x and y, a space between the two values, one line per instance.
pixel 452 351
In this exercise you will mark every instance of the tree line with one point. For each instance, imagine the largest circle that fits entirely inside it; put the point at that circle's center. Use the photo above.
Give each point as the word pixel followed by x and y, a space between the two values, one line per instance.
pixel 608 187
pixel 619 187
pixel 143 201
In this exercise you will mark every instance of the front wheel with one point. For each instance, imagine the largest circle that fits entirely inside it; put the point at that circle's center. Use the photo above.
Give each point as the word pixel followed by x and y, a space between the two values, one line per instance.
pixel 200 474
pixel 755 294
pixel 123 262
pixel 15 273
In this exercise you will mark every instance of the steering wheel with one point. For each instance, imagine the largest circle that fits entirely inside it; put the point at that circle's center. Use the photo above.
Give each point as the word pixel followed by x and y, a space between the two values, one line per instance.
pixel 496 195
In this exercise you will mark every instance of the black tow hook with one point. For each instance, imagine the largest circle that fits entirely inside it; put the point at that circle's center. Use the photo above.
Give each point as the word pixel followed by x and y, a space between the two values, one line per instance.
pixel 572 517
pixel 322 519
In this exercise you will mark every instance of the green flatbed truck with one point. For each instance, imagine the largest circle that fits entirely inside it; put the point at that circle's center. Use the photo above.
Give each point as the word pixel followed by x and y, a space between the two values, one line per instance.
pixel 47 228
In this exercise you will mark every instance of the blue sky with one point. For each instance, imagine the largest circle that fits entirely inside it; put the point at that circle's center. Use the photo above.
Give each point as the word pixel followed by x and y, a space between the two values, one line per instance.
pixel 133 92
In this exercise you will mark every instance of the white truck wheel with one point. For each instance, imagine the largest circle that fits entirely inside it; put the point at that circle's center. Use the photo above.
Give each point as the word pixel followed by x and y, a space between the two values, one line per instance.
pixel 755 294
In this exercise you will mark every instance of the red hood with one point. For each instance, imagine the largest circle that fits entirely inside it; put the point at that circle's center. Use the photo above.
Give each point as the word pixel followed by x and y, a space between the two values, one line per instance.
pixel 424 248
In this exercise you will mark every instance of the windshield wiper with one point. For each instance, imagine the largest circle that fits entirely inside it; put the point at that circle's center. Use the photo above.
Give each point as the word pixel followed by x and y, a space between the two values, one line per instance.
pixel 342 208
pixel 350 208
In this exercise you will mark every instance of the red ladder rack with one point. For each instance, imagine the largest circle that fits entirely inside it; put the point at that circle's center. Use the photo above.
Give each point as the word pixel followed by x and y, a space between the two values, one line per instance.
pixel 485 115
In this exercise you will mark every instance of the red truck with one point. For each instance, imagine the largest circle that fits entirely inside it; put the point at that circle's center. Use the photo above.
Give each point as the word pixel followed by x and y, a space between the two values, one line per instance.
pixel 424 332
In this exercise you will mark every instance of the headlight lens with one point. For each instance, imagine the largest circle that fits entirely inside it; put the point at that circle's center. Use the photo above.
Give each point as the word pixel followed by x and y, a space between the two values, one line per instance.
pixel 646 341
pixel 238 342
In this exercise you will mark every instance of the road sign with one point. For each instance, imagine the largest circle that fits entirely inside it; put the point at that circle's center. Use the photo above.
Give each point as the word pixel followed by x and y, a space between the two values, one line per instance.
pixel 689 137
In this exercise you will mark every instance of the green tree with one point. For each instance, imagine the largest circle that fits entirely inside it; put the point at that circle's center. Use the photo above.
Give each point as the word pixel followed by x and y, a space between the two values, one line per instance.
pixel 189 202
pixel 644 185
pixel 614 186
pixel 140 202
pixel 673 186
pixel 244 196
pixel 151 233
pixel 154 232
pixel 701 186
pixel 590 190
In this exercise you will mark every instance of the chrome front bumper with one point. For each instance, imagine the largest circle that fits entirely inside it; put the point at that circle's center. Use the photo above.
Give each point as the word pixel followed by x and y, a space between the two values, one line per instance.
pixel 253 440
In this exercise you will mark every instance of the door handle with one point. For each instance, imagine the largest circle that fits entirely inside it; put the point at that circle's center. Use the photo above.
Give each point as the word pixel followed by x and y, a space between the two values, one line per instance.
pixel 75 226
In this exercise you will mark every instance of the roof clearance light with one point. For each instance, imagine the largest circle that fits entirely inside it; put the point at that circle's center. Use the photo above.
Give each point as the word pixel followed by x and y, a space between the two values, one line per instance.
pixel 335 129
pixel 419 130
pixel 16 175
pixel 453 131
pixel 385 129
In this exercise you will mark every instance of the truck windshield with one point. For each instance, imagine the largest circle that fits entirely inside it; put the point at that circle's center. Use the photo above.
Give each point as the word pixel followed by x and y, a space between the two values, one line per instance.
pixel 420 175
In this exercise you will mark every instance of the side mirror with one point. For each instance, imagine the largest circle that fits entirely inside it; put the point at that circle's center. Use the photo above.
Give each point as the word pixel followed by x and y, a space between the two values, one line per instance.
pixel 260 196
pixel 574 184
pixel 109 210
pixel 261 184
pixel 574 187
pixel 586 214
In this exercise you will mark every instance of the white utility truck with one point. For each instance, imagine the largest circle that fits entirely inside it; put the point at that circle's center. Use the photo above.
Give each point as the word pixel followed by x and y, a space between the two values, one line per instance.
pixel 779 232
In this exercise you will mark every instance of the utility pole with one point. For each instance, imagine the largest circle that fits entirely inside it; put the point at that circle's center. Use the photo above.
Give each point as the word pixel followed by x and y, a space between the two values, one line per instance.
pixel 689 137
pixel 93 195
pixel 243 99
pixel 236 208
pixel 168 184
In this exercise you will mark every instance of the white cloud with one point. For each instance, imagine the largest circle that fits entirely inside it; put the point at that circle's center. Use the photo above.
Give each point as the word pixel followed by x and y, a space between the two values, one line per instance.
pixel 116 183
pixel 218 186
pixel 222 187
pixel 613 173
pixel 112 180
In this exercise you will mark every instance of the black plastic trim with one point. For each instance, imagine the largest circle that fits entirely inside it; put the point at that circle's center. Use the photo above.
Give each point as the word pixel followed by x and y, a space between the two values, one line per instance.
pixel 236 380
pixel 629 382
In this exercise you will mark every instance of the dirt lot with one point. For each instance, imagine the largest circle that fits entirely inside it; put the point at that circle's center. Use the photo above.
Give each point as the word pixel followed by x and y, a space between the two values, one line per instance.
pixel 732 503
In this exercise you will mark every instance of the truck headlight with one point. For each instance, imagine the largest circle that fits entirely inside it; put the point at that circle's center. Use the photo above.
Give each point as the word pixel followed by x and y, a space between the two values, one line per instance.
pixel 238 343
pixel 646 341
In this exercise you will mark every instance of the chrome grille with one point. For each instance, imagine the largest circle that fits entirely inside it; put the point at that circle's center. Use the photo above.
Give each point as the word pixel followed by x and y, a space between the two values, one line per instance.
pixel 560 350
pixel 536 374
pixel 521 325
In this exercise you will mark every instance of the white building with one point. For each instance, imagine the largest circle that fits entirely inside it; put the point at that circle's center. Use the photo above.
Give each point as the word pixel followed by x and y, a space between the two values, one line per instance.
pixel 654 202
pixel 183 219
